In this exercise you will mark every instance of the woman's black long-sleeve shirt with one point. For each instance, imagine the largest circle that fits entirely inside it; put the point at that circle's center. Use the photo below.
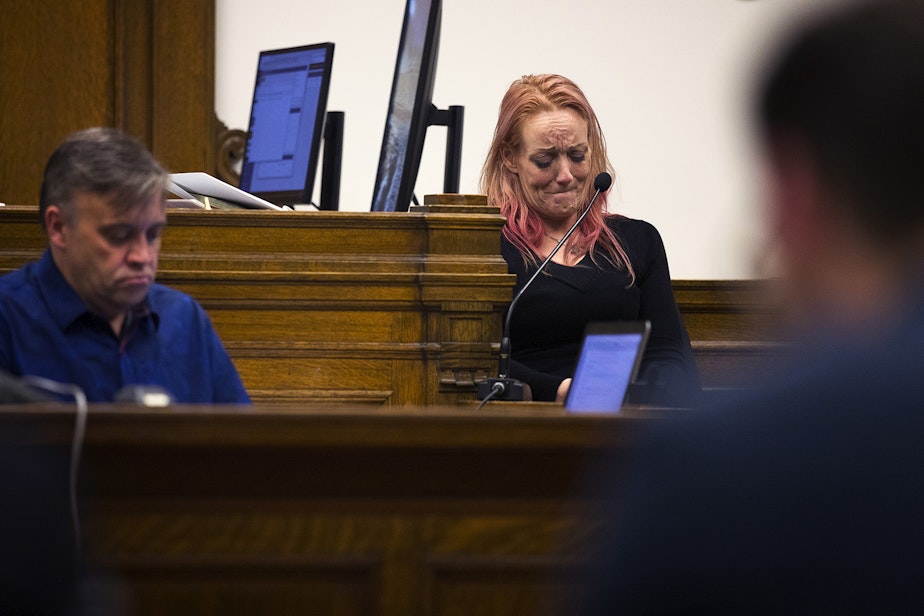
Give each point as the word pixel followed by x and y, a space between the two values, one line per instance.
pixel 549 319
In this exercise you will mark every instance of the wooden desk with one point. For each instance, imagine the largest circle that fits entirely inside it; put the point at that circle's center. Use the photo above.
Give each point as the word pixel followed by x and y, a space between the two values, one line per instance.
pixel 291 510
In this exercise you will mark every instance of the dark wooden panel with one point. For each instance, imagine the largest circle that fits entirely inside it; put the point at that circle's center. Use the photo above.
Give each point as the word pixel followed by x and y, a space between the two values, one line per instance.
pixel 133 90
pixel 339 510
pixel 183 123
pixel 734 310
pixel 277 585
pixel 56 74
pixel 144 66
pixel 500 586
pixel 734 327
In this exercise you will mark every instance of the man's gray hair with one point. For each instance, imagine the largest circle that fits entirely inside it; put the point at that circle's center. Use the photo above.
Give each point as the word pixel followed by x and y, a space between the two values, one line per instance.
pixel 105 162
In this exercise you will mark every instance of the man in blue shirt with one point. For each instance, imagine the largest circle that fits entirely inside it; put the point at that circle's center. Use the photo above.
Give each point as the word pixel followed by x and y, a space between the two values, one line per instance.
pixel 89 312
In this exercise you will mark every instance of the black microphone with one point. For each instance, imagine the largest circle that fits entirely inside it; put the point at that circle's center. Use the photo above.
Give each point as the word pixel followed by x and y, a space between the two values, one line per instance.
pixel 503 388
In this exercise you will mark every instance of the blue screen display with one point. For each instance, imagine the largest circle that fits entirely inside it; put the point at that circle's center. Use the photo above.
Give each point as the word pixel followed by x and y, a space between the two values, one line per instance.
pixel 288 103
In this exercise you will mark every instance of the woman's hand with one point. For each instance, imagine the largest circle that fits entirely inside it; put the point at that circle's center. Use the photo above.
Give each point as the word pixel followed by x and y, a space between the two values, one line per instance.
pixel 563 388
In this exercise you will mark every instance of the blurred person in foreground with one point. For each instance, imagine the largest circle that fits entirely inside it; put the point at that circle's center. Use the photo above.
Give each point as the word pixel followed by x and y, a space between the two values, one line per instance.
pixel 547 149
pixel 807 495
pixel 88 312
pixel 40 569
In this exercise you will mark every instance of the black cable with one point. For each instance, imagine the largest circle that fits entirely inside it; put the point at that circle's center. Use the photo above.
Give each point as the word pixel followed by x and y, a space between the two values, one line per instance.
pixel 498 388
pixel 80 427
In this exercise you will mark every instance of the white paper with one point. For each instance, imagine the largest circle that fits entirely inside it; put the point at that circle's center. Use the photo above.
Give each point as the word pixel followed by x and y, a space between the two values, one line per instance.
pixel 204 184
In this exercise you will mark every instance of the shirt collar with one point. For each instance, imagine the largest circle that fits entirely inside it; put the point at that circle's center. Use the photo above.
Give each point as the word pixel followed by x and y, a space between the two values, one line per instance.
pixel 64 305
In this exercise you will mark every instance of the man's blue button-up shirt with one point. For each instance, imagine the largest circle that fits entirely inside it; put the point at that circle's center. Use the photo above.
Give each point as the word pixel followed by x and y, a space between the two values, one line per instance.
pixel 47 331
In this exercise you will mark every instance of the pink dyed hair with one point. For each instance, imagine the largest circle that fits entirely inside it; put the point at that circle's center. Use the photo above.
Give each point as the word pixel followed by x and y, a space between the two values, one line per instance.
pixel 529 95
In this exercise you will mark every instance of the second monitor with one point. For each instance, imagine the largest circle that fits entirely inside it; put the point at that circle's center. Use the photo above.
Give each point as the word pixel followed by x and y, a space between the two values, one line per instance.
pixel 411 111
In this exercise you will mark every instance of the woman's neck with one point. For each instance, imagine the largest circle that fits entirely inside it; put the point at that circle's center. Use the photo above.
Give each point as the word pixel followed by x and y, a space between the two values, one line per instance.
pixel 570 253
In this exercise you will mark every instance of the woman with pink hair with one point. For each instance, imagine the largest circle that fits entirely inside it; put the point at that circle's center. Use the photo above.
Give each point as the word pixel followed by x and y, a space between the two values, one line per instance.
pixel 547 149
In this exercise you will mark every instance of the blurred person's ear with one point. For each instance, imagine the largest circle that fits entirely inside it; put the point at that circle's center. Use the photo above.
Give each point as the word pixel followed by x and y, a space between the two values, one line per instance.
pixel 810 241
pixel 54 225
pixel 795 200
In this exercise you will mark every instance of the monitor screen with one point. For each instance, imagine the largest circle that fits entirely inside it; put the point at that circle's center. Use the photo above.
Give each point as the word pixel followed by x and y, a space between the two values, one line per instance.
pixel 409 106
pixel 286 123
pixel 608 362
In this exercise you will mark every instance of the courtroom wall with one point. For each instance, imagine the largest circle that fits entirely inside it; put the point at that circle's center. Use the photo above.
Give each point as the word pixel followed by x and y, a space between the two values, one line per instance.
pixel 668 79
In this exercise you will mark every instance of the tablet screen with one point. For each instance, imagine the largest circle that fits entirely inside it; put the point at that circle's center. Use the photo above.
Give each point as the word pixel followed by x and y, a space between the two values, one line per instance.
pixel 608 362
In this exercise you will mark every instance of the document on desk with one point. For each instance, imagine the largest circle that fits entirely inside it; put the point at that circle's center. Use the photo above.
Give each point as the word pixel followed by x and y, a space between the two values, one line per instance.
pixel 199 185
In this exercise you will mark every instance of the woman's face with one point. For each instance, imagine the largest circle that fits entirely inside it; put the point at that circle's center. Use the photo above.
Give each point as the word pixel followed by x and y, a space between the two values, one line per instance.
pixel 552 163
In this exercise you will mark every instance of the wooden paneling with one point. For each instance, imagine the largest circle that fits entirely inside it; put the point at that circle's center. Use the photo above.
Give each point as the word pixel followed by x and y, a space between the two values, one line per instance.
pixel 727 310
pixel 291 510
pixel 346 306
pixel 334 306
pixel 184 128
pixel 734 327
pixel 55 71
pixel 144 66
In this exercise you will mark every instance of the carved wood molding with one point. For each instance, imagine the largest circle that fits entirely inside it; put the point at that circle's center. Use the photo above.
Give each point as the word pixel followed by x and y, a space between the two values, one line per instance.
pixel 229 148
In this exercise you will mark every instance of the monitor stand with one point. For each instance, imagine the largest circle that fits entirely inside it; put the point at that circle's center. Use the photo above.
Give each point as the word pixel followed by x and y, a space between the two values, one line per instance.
pixel 332 161
pixel 452 119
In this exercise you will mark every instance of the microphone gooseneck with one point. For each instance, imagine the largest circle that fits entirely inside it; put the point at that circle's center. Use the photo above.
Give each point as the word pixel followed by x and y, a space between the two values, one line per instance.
pixel 601 183
pixel 503 387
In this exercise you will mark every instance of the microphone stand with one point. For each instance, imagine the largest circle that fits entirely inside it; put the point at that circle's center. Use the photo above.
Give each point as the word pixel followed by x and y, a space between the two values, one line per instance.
pixel 502 387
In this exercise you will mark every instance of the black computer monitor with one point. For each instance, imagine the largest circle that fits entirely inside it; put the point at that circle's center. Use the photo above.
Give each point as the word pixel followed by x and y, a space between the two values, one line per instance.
pixel 411 110
pixel 286 123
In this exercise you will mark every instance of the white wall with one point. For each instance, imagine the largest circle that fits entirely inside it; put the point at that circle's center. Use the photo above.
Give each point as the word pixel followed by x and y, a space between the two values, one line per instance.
pixel 668 78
